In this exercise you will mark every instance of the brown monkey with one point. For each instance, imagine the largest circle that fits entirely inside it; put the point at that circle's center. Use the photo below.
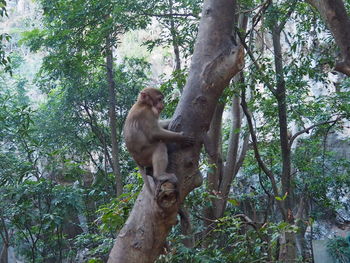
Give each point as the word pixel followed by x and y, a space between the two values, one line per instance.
pixel 145 138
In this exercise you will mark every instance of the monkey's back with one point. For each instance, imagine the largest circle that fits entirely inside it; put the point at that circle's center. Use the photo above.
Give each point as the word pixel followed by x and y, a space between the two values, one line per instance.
pixel 138 127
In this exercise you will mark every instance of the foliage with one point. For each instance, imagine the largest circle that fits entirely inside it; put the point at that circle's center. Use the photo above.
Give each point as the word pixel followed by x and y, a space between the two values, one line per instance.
pixel 235 241
pixel 5 60
pixel 179 23
pixel 114 214
pixel 40 214
pixel 339 248
pixel 95 247
pixel 55 152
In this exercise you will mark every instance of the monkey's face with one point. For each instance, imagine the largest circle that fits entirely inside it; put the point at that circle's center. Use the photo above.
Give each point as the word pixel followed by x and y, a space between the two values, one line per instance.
pixel 158 103
pixel 154 98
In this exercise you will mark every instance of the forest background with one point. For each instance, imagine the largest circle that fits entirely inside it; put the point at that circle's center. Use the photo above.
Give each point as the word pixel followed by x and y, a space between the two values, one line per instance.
pixel 274 169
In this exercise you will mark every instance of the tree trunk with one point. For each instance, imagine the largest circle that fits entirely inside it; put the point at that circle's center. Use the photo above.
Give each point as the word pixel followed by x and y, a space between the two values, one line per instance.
pixel 221 176
pixel 5 240
pixel 287 251
pixel 215 61
pixel 234 157
pixel 335 16
pixel 300 220
pixel 4 254
pixel 113 118
pixel 212 143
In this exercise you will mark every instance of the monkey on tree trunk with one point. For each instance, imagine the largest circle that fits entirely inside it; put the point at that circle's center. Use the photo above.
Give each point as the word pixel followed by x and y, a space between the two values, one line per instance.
pixel 146 139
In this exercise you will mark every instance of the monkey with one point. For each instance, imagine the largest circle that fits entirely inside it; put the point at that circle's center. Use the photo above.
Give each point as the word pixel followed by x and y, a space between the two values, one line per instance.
pixel 145 135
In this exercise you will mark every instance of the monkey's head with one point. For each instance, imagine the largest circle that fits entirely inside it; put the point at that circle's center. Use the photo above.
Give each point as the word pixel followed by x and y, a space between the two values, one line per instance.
pixel 153 98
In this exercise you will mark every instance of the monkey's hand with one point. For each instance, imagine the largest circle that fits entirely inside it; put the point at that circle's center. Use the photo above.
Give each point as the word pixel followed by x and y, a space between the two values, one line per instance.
pixel 187 140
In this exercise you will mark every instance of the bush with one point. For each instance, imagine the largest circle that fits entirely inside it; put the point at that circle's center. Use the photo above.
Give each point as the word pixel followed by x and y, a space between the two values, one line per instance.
pixel 339 248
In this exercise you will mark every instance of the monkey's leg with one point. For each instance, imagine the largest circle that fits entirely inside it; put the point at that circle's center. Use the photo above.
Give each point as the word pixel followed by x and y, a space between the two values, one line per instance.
pixel 159 160
pixel 166 183
pixel 160 163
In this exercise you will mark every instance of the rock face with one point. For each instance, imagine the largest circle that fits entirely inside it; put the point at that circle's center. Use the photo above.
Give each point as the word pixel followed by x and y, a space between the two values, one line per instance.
pixel 339 144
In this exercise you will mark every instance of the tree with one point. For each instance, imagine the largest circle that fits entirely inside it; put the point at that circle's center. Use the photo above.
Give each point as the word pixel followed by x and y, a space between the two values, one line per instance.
pixel 216 59
pixel 81 39
pixel 57 154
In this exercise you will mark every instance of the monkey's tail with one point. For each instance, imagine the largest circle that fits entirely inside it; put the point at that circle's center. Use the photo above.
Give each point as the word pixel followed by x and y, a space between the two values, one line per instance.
pixel 145 179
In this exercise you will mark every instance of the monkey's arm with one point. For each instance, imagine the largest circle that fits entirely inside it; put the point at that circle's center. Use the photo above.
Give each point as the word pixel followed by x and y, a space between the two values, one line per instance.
pixel 170 136
pixel 164 123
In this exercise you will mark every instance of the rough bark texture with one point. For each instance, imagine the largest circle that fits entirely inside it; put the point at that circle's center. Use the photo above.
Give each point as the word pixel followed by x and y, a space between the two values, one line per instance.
pixel 112 119
pixel 338 21
pixel 287 251
pixel 215 61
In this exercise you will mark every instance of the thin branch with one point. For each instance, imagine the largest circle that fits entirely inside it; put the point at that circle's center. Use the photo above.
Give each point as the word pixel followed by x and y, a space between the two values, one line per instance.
pixel 255 145
pixel 285 19
pixel 171 15
pixel 248 221
pixel 242 154
pixel 256 7
pixel 310 128
pixel 249 52
pixel 257 154
pixel 258 16
pixel 206 219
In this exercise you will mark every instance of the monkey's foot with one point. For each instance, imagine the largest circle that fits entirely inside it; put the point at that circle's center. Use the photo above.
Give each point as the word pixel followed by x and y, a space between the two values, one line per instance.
pixel 166 190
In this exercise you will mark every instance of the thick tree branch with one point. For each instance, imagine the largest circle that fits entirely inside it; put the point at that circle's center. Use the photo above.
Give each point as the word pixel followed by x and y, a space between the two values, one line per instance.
pixel 338 21
pixel 232 152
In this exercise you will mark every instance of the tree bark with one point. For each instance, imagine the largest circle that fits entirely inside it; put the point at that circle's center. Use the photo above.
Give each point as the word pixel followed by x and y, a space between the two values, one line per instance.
pixel 212 143
pixel 4 235
pixel 338 21
pixel 216 59
pixel 4 254
pixel 287 251
pixel 234 157
pixel 113 118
